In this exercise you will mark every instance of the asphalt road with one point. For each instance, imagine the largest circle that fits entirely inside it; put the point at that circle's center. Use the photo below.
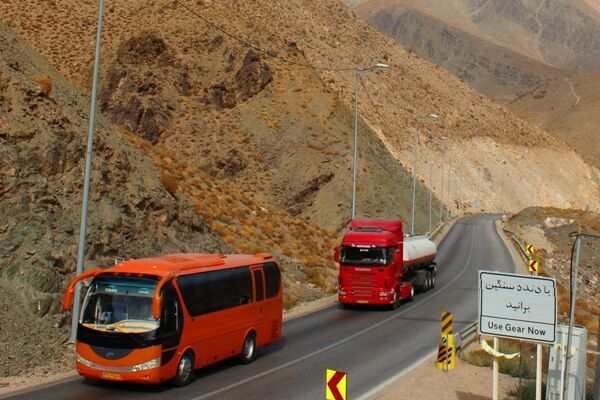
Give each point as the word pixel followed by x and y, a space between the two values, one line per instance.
pixel 371 345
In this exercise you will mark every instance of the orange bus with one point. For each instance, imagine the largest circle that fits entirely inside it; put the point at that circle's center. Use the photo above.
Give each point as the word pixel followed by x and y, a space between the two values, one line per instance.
pixel 156 319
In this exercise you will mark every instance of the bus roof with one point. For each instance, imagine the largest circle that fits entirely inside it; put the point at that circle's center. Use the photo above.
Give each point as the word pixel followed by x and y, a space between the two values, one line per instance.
pixel 187 262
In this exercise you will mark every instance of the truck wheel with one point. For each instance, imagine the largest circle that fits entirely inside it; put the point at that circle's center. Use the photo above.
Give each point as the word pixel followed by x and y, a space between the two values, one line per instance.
pixel 432 280
pixel 396 300
pixel 428 284
pixel 345 306
pixel 185 370
pixel 411 296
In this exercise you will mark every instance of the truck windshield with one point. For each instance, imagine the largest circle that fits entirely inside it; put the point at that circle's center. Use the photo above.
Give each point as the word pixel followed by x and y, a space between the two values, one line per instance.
pixel 119 304
pixel 366 255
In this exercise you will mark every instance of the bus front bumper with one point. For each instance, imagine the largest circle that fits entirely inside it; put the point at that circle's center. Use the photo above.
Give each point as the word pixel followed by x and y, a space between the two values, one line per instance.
pixel 148 372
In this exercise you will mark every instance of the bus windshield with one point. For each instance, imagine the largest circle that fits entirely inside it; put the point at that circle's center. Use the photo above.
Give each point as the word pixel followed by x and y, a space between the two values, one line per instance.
pixel 119 304
pixel 368 256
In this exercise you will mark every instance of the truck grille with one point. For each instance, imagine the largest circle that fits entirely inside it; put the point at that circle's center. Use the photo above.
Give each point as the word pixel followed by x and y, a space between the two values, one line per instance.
pixel 363 283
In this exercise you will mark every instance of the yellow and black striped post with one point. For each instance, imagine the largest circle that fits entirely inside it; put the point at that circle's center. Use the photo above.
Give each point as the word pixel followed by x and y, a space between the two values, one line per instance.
pixel 446 357
pixel 446 323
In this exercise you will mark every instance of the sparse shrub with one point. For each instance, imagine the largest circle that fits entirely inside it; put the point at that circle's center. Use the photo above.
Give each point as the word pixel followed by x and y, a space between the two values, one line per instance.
pixel 170 183
pixel 527 391
pixel 45 84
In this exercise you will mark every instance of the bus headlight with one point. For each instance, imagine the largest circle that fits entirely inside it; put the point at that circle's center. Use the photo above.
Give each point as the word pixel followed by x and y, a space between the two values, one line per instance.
pixel 83 361
pixel 154 363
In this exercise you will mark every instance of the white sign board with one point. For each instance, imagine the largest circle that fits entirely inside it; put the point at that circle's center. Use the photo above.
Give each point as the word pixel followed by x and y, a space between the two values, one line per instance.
pixel 517 306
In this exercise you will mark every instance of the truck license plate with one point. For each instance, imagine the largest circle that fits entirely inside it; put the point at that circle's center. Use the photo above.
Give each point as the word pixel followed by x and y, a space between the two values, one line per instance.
pixel 362 301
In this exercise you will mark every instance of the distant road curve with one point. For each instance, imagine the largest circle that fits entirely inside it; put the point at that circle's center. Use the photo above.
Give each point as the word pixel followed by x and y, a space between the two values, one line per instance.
pixel 372 345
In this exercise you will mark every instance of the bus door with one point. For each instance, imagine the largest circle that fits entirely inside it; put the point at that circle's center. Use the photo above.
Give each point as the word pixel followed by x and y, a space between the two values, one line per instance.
pixel 171 322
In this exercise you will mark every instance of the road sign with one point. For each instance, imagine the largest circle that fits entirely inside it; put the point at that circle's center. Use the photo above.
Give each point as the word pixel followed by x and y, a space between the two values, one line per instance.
pixel 533 265
pixel 517 306
pixel 530 249
pixel 335 388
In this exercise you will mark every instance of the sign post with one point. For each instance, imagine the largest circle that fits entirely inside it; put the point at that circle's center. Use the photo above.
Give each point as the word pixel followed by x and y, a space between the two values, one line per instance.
pixel 518 307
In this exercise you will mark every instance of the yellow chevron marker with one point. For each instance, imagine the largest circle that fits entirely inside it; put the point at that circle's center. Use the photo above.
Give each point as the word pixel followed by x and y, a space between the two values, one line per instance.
pixel 533 265
pixel 530 249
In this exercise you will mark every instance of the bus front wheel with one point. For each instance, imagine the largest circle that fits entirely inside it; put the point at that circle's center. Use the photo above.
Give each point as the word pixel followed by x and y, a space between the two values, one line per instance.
pixel 248 349
pixel 185 369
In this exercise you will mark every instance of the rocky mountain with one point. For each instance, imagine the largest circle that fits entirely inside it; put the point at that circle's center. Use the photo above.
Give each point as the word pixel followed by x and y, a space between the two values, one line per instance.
pixel 303 117
pixel 493 70
pixel 528 55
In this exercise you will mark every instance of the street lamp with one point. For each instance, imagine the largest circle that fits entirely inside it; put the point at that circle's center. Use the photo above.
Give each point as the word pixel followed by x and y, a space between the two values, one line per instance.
pixel 442 184
pixel 448 198
pixel 357 74
pixel 418 120
pixel 431 139
pixel 86 181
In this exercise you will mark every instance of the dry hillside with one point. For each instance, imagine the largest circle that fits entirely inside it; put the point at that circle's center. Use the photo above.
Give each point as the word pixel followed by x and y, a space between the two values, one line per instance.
pixel 142 203
pixel 525 54
pixel 493 70
pixel 302 116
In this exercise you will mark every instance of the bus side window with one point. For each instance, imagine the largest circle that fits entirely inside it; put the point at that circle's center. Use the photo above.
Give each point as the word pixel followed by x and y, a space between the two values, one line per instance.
pixel 259 288
pixel 273 279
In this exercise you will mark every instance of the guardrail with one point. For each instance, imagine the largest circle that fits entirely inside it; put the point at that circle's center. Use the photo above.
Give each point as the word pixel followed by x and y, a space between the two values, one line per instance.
pixel 437 230
pixel 466 336
pixel 520 245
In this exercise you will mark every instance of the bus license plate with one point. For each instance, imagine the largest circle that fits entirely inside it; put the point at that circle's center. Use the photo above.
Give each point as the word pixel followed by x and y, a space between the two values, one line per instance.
pixel 111 375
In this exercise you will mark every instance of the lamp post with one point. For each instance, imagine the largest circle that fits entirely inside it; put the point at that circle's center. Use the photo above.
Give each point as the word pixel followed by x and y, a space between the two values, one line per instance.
pixel 444 138
pixel 86 181
pixel 431 182
pixel 448 198
pixel 430 185
pixel 418 120
pixel 357 74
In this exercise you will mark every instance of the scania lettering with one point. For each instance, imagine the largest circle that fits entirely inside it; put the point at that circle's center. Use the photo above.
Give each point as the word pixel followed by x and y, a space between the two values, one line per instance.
pixel 378 265
pixel 158 319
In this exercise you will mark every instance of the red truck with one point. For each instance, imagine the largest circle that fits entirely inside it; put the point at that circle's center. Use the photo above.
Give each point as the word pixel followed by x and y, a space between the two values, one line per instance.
pixel 379 265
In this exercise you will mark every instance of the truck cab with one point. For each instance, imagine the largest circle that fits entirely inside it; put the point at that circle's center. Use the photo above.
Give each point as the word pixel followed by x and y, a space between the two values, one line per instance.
pixel 372 265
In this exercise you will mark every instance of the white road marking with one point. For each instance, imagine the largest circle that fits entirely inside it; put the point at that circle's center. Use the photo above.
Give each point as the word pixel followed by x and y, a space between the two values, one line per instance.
pixel 347 339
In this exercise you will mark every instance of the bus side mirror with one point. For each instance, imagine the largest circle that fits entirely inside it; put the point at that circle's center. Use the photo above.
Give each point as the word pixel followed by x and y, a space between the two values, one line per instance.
pixel 69 294
pixel 157 299
pixel 336 254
